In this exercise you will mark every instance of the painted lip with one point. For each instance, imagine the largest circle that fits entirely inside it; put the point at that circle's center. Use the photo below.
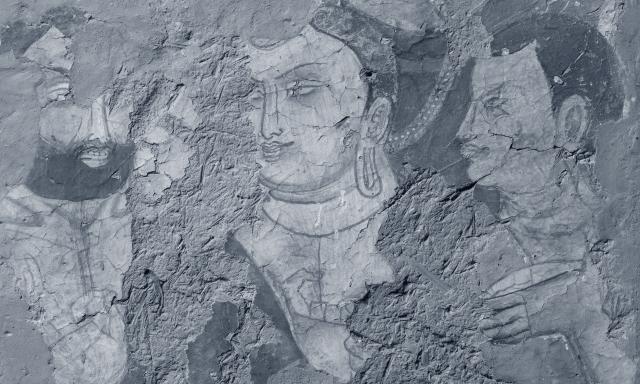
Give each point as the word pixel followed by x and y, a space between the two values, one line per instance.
pixel 94 156
pixel 272 150
pixel 471 149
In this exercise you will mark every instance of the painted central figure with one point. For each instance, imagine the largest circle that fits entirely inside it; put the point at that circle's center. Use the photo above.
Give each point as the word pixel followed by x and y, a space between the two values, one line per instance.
pixel 328 179
pixel 324 108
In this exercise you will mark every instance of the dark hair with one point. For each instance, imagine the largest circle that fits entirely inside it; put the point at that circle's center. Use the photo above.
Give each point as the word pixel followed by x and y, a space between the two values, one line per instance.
pixel 18 36
pixel 400 65
pixel 576 58
pixel 98 48
pixel 570 49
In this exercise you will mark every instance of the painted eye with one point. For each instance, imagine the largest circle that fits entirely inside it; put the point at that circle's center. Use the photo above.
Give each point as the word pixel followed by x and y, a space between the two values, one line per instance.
pixel 495 107
pixel 302 87
pixel 58 91
pixel 256 98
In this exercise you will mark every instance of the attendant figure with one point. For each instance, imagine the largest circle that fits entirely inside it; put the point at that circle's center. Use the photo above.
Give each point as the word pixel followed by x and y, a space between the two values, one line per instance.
pixel 528 137
pixel 66 232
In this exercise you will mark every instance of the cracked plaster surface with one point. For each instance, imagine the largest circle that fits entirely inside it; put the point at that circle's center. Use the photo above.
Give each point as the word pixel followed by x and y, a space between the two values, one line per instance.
pixel 251 224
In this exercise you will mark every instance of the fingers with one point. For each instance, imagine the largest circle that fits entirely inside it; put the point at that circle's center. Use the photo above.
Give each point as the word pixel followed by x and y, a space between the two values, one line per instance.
pixel 511 332
pixel 504 302
pixel 506 316
pixel 502 318
pixel 509 322
pixel 514 339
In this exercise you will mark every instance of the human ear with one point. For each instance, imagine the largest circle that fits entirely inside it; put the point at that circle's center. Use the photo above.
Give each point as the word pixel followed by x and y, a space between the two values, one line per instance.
pixel 377 121
pixel 572 122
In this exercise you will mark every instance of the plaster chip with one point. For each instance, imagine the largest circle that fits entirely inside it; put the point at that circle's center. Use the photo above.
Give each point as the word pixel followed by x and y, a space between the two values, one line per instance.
pixel 51 51
pixel 182 109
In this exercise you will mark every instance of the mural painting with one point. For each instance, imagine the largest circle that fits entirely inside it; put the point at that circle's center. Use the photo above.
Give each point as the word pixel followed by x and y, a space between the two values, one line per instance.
pixel 324 107
pixel 528 136
pixel 319 191
pixel 527 140
pixel 66 231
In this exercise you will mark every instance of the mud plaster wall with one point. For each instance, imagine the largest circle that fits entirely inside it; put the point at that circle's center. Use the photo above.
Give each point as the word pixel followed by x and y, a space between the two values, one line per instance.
pixel 188 304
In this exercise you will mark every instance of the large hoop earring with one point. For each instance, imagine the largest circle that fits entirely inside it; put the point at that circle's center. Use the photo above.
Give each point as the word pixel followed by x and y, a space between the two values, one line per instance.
pixel 367 176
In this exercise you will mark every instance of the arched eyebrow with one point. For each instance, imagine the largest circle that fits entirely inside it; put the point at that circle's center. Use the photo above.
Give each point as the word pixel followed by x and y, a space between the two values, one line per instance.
pixel 298 68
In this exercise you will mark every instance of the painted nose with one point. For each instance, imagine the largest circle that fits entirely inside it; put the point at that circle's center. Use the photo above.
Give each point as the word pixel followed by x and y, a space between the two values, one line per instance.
pixel 97 127
pixel 270 125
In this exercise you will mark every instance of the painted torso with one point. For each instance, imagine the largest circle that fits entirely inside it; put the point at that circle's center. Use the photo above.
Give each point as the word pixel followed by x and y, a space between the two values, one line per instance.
pixel 69 259
pixel 318 259
pixel 548 214
pixel 540 252
pixel 319 277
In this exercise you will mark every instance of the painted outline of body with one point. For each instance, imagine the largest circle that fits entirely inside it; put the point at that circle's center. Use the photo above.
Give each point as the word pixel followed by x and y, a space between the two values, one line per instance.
pixel 528 112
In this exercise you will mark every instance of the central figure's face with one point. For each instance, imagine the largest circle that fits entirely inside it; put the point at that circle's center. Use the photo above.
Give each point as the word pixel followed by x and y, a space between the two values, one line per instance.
pixel 90 133
pixel 308 106
pixel 510 109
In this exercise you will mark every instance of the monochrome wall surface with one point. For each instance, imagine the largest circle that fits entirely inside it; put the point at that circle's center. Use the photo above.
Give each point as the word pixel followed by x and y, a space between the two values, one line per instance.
pixel 319 191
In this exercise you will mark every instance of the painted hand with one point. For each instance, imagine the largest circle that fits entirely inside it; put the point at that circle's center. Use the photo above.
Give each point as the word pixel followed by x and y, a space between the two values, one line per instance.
pixel 508 322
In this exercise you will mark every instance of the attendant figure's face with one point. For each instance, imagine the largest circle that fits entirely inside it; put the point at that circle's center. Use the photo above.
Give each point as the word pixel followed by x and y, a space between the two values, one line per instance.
pixel 511 109
pixel 91 133
pixel 309 102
